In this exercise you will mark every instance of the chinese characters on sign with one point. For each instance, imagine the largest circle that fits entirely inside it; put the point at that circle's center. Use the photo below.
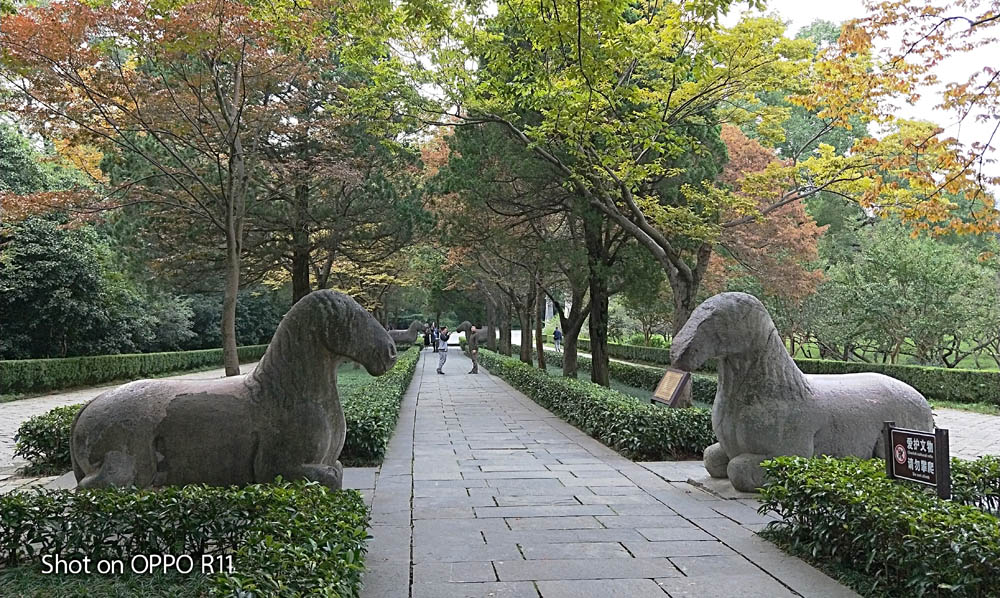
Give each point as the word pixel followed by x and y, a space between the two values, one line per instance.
pixel 671 387
pixel 920 457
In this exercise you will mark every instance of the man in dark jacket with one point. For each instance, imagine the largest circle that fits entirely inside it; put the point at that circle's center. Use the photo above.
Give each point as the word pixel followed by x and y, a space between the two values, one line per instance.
pixel 474 351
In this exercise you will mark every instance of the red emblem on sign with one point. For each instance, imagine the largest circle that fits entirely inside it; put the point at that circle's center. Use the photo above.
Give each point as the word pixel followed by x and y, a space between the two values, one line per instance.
pixel 900 454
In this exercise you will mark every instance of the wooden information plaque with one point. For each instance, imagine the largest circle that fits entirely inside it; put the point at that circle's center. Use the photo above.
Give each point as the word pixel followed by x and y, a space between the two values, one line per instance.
pixel 671 387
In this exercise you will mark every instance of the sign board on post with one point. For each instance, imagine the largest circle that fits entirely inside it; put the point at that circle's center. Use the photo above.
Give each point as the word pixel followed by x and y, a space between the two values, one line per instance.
pixel 921 457
pixel 671 387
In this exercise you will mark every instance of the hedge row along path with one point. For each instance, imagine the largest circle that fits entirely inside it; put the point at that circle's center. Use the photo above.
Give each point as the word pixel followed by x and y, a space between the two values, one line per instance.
pixel 485 493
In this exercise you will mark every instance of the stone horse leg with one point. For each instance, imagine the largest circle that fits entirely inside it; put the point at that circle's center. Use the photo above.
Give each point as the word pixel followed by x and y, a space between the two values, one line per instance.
pixel 745 472
pixel 116 471
pixel 716 461
pixel 331 476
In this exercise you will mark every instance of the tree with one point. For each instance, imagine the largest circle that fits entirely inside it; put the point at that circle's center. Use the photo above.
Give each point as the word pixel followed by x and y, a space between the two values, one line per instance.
pixel 20 172
pixel 193 91
pixel 778 250
pixel 626 94
pixel 60 295
pixel 911 43
pixel 650 305
pixel 906 295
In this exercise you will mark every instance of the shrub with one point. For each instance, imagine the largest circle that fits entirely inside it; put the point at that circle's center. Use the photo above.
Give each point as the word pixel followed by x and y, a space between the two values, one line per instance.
pixel 371 411
pixel 37 375
pixel 703 386
pixel 906 540
pixel 637 429
pixel 44 439
pixel 977 483
pixel 286 539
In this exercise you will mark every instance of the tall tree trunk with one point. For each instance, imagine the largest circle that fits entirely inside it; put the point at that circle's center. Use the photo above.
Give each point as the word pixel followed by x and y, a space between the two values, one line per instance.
pixel 569 357
pixel 235 199
pixel 600 366
pixel 539 323
pixel 491 324
pixel 524 317
pixel 504 316
pixel 230 356
pixel 685 287
pixel 301 249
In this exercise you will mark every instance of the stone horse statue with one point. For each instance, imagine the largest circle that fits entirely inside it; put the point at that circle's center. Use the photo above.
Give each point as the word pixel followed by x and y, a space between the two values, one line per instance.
pixel 766 407
pixel 283 419
pixel 408 336
pixel 482 334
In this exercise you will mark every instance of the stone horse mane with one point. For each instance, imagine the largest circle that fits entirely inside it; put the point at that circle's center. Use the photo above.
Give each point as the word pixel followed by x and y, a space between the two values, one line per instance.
pixel 300 361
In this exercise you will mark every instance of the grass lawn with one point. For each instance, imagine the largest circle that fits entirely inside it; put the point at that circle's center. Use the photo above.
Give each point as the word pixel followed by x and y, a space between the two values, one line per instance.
pixel 350 379
pixel 984 408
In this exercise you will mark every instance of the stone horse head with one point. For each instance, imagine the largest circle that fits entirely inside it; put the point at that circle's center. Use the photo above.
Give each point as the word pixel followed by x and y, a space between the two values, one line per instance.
pixel 285 418
pixel 723 325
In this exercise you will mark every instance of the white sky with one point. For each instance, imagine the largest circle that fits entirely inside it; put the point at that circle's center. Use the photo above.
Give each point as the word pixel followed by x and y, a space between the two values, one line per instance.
pixel 800 13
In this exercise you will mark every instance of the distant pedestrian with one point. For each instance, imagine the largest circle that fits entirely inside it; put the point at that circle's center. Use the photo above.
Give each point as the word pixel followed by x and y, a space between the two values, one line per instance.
pixel 474 350
pixel 435 335
pixel 442 348
pixel 557 339
pixel 427 336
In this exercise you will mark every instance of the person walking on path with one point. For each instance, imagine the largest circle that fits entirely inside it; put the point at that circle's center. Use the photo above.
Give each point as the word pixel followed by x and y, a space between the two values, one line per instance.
pixel 557 339
pixel 443 348
pixel 474 351
pixel 435 334
pixel 427 336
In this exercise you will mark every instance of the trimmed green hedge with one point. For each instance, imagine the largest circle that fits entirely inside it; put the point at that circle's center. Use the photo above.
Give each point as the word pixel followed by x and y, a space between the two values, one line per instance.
pixel 285 539
pixel 659 355
pixel 944 384
pixel 637 429
pixel 38 375
pixel 371 412
pixel 703 386
pixel 906 541
pixel 373 409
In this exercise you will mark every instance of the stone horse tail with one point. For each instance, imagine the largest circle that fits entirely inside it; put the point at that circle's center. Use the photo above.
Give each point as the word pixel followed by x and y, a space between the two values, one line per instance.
pixel 766 407
pixel 283 419
pixel 408 336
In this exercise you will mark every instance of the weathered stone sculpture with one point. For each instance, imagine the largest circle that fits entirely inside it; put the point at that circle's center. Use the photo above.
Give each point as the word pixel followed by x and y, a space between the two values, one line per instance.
pixel 482 334
pixel 283 419
pixel 408 336
pixel 766 407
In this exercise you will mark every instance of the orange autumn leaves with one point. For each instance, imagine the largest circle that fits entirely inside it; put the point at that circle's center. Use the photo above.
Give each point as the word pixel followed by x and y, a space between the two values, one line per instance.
pixel 776 249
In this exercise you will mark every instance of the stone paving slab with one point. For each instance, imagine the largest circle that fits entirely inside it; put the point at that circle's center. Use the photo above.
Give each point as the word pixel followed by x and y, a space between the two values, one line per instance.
pixel 492 495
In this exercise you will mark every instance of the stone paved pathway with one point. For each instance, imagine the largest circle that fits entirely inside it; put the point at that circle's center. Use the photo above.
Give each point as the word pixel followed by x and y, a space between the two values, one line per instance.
pixel 484 493
pixel 13 413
